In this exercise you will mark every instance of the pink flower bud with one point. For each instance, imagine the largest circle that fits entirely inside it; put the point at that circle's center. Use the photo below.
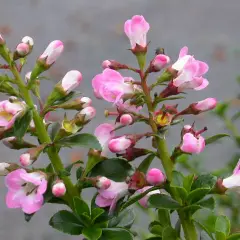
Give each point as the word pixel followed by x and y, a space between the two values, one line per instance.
pixel 27 76
pixel 89 113
pixel 159 62
pixel 103 183
pixel 22 49
pixel 25 160
pixel 126 119
pixel 205 105
pixel 86 102
pixel 52 52
pixel 59 189
pixel 119 144
pixel 3 168
pixel 2 41
pixel 155 176
pixel 106 64
pixel 71 80
pixel 28 40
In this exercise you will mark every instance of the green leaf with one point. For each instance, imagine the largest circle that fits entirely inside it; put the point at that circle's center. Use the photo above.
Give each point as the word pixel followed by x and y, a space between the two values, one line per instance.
pixel 188 181
pixel 80 206
pixel 92 233
pixel 155 228
pixel 215 138
pixel 235 236
pixel 22 123
pixel 177 183
pixel 208 203
pixel 85 219
pixel 81 139
pixel 79 172
pixel 222 225
pixel 169 234
pixel 53 129
pixel 116 234
pixel 204 181
pixel 164 217
pixel 197 194
pixel 66 222
pixel 96 212
pixel 125 219
pixel 163 201
pixel 145 164
pixel 221 109
pixel 206 219
pixel 116 169
pixel 220 236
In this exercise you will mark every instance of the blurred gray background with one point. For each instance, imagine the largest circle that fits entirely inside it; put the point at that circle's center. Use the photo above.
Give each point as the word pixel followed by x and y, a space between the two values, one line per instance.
pixel 92 32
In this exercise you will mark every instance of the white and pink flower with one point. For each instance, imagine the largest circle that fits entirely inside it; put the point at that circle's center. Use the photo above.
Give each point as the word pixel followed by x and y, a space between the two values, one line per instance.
pixel 109 197
pixel 71 80
pixel 88 112
pixel 136 30
pixel 205 105
pixel 103 183
pixel 119 144
pixel 110 85
pixel 25 190
pixel 22 49
pixel 52 52
pixel 59 189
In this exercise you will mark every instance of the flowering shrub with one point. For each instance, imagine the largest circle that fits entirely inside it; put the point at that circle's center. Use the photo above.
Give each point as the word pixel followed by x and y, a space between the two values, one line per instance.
pixel 119 183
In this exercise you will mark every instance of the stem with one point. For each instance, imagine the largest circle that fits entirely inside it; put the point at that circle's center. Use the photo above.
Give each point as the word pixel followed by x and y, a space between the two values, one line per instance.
pixel 44 137
pixel 163 154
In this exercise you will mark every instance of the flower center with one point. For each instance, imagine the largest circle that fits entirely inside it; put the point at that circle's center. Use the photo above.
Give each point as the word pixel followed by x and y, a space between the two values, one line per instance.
pixel 29 188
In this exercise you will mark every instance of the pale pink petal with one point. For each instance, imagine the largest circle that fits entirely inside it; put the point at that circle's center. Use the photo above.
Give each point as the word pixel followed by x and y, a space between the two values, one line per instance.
pixel 13 198
pixel 180 63
pixel 202 68
pixel 203 85
pixel 103 202
pixel 112 75
pixel 190 143
pixel 206 104
pixel 42 187
pixel 34 177
pixel 201 144
pixel 119 144
pixel 232 181
pixel 114 189
pixel 183 52
pixel 71 80
pixel 237 168
pixel 13 180
pixel 127 28
pixel 32 203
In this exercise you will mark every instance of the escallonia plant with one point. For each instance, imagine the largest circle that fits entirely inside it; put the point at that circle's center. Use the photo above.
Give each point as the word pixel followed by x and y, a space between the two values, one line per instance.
pixel 184 204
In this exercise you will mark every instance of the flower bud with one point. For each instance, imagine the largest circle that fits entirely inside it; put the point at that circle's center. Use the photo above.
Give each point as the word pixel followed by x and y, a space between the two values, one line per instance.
pixel 59 189
pixel 119 144
pixel 3 168
pixel 88 113
pixel 205 105
pixel 14 143
pixel 159 62
pixel 25 160
pixel 103 183
pixel 28 40
pixel 112 64
pixel 155 177
pixel 22 50
pixel 2 41
pixel 71 80
pixel 126 119
pixel 106 64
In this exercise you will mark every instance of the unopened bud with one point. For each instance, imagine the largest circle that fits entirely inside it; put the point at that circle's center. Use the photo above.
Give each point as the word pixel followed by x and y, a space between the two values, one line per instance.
pixel 2 41
pixel 205 105
pixel 28 40
pixel 103 183
pixel 155 177
pixel 159 62
pixel 59 189
pixel 25 160
pixel 3 168
pixel 126 119
pixel 76 104
pixel 14 143
pixel 88 113
pixel 71 80
pixel 119 144
pixel 27 77
pixel 112 64
pixel 22 50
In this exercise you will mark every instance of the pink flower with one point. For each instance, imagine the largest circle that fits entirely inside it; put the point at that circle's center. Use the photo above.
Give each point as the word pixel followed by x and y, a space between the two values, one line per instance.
pixel 159 62
pixel 9 111
pixel 22 49
pixel 52 52
pixel 59 189
pixel 136 30
pixel 104 133
pixel 205 105
pixel 119 144
pixel 155 177
pixel 192 142
pixel 109 197
pixel 144 201
pixel 71 80
pixel 110 86
pixel 25 190
pixel 190 72
pixel 126 119
pixel 88 112
pixel 103 183
pixel 233 182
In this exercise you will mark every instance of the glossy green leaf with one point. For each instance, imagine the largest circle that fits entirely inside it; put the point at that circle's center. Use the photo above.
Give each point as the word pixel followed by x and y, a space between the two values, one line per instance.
pixel 124 219
pixel 177 182
pixel 66 222
pixel 222 225
pixel 81 139
pixel 197 194
pixel 156 229
pixel 169 234
pixel 164 217
pixel 92 233
pixel 235 236
pixel 207 203
pixel 215 138
pixel 204 181
pixel 220 236
pixel 96 212
pixel 80 206
pixel 116 169
pixel 145 164
pixel 188 181
pixel 85 219
pixel 162 201
pixel 53 129
pixel 116 234
pixel 22 123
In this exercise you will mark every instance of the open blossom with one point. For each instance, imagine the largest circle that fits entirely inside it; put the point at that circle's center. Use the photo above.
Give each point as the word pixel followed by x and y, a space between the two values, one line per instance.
pixel 136 30
pixel 71 80
pixel 233 182
pixel 190 72
pixel 104 133
pixel 52 52
pixel 9 111
pixel 144 201
pixel 109 197
pixel 119 144
pixel 155 176
pixel 192 142
pixel 25 190
pixel 110 85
